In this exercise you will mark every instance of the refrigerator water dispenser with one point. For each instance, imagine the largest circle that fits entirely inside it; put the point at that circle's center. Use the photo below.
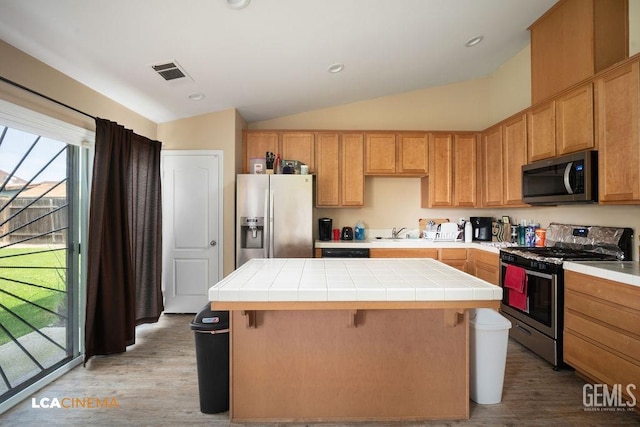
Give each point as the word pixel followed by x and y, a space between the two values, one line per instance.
pixel 252 232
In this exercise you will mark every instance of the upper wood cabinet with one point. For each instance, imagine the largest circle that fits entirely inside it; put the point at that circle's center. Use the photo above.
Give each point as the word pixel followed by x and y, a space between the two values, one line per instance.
pixel 504 151
pixel 340 169
pixel 440 181
pixel 514 146
pixel 562 125
pixel 328 169
pixel 452 179
pixel 617 95
pixel 298 146
pixel 380 154
pixel 403 153
pixel 541 141
pixel 574 40
pixel 413 153
pixel 256 144
pixel 465 170
pixel 290 145
pixel 352 171
pixel 492 167
pixel 574 120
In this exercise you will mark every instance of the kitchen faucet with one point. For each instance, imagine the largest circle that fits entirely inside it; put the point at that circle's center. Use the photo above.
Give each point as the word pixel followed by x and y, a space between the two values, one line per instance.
pixel 394 233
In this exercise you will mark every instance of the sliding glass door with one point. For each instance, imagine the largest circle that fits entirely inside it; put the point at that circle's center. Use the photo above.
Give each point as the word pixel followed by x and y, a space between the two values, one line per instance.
pixel 39 258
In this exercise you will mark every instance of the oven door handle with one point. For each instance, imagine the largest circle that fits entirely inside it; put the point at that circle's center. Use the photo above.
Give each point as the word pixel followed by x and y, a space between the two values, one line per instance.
pixel 533 273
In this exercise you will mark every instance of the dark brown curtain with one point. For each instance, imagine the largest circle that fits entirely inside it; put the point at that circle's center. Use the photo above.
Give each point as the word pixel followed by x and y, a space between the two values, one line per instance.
pixel 125 239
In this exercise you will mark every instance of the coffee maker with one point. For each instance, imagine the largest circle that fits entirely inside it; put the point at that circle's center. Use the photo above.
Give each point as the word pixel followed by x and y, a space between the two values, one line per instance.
pixel 325 226
pixel 481 228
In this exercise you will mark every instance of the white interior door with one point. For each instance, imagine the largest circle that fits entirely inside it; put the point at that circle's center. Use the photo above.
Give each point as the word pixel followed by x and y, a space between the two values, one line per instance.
pixel 192 228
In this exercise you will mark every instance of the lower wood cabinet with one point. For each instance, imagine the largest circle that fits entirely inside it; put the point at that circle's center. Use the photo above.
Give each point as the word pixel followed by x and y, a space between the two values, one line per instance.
pixel 601 329
pixel 455 257
pixel 486 266
pixel 403 253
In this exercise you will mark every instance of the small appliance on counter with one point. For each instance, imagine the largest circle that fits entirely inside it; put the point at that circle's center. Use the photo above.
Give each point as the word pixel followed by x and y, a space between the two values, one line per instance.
pixel 347 233
pixel 325 225
pixel 482 228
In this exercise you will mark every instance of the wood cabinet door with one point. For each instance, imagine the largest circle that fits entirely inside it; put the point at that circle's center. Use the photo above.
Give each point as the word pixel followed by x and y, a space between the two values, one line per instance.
pixel 465 169
pixel 618 131
pixel 413 153
pixel 403 253
pixel 440 170
pixel 380 154
pixel 256 144
pixel 541 141
pixel 546 56
pixel 299 146
pixel 327 169
pixel 574 120
pixel 514 145
pixel 485 266
pixel 492 167
pixel 352 169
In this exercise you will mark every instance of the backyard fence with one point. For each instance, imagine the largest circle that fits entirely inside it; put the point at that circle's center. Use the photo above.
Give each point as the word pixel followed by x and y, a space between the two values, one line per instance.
pixel 33 221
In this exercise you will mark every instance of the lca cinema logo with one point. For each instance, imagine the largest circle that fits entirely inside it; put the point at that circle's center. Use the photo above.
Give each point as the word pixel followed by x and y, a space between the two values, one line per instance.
pixel 602 397
pixel 74 403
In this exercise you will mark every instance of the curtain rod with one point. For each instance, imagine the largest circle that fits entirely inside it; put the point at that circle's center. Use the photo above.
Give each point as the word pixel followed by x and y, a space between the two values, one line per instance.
pixel 18 85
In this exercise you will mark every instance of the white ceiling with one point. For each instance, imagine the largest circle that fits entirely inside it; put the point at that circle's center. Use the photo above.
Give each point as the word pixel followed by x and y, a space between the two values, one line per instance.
pixel 271 58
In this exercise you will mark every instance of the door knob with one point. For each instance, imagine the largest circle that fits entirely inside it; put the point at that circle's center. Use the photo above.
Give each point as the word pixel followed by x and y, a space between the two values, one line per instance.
pixel 213 243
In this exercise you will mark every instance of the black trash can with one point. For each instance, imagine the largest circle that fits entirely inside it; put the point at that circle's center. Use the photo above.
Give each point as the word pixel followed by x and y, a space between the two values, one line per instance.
pixel 212 355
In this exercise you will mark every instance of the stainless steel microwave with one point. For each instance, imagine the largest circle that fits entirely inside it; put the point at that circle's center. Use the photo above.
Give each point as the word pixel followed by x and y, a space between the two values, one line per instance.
pixel 562 180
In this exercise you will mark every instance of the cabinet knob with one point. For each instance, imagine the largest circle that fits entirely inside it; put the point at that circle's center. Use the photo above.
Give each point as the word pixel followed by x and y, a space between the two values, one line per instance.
pixel 213 243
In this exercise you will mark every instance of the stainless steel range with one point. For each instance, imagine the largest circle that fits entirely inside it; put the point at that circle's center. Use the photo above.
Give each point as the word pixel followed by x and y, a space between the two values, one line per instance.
pixel 533 281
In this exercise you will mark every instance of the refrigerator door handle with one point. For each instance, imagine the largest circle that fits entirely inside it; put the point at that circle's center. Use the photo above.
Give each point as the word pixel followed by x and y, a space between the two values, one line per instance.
pixel 265 213
pixel 271 231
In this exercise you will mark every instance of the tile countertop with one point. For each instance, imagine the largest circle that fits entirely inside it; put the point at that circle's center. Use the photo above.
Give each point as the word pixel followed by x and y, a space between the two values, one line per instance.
pixel 619 271
pixel 493 247
pixel 350 280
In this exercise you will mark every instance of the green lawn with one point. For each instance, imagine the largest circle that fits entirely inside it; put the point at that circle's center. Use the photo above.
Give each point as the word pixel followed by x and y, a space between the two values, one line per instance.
pixel 31 271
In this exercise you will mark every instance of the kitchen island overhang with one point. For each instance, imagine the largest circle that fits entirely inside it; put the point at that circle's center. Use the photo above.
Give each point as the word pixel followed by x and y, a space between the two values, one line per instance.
pixel 349 340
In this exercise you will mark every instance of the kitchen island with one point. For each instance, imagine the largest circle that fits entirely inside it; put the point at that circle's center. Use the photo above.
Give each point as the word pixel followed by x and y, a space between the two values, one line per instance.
pixel 349 339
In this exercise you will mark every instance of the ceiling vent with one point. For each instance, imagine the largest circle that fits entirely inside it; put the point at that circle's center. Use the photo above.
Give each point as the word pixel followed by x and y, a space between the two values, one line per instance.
pixel 171 71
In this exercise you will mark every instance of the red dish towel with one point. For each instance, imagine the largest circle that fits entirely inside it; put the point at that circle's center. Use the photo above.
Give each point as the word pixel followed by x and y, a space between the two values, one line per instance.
pixel 516 280
pixel 519 299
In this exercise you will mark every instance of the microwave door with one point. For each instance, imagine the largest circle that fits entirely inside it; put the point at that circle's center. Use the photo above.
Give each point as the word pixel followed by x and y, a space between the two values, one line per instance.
pixel 567 178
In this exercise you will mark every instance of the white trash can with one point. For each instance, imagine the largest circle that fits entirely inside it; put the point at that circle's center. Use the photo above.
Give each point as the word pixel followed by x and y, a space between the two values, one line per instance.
pixel 488 339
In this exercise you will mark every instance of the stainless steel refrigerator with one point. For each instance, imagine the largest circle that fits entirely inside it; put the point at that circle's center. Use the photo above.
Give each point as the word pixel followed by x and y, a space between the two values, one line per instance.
pixel 274 216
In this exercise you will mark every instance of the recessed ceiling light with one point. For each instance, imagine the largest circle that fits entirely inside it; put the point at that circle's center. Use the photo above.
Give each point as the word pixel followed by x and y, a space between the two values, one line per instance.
pixel 473 41
pixel 196 96
pixel 336 68
pixel 238 4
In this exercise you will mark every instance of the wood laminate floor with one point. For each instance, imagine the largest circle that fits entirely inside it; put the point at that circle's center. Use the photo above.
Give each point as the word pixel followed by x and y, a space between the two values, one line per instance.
pixel 155 384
